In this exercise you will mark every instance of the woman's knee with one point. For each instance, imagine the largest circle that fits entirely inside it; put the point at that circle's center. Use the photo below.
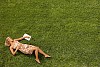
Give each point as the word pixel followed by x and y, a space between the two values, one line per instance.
pixel 37 48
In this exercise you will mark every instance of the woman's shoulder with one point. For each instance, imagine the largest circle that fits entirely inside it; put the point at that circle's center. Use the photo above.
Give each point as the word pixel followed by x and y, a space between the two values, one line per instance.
pixel 15 40
pixel 12 46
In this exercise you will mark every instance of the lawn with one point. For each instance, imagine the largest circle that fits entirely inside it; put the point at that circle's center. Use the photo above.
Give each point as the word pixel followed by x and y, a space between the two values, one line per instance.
pixel 68 30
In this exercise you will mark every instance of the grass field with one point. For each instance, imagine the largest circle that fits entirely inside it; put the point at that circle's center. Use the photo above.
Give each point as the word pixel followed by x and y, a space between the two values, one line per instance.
pixel 68 30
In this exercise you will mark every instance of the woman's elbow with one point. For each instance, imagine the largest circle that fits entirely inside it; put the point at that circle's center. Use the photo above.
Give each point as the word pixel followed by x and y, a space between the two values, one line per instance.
pixel 13 54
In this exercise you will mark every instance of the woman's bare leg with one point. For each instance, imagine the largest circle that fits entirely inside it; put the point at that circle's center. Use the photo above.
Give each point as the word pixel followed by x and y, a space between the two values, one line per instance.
pixel 37 49
pixel 46 55
pixel 36 54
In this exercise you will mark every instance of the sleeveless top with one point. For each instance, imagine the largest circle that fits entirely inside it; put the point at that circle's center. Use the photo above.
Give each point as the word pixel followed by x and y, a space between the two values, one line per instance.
pixel 24 48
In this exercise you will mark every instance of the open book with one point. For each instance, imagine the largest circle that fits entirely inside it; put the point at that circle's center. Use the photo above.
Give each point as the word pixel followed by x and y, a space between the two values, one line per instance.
pixel 27 38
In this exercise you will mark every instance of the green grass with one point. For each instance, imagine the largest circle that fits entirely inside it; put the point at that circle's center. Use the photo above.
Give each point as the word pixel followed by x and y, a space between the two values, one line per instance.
pixel 68 30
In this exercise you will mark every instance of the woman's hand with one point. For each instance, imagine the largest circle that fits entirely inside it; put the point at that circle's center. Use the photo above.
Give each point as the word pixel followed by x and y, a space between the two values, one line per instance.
pixel 12 51
pixel 26 36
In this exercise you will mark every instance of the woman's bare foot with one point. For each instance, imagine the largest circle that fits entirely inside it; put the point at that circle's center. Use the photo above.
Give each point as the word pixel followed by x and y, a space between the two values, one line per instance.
pixel 37 60
pixel 47 56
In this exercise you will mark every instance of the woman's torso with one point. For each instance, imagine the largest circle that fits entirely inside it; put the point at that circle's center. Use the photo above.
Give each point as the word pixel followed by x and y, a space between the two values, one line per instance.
pixel 24 48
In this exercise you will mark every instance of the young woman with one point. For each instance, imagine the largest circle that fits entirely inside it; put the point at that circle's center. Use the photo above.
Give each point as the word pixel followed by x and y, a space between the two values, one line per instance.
pixel 15 45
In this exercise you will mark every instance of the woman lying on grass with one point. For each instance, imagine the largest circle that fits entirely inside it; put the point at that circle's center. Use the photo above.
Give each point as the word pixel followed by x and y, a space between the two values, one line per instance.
pixel 15 45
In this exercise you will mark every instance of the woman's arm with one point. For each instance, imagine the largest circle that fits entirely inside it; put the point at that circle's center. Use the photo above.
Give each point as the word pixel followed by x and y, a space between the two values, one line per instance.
pixel 12 51
pixel 21 38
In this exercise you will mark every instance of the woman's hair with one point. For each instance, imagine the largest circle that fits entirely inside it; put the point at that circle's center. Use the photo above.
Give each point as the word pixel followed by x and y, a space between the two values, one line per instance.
pixel 7 43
